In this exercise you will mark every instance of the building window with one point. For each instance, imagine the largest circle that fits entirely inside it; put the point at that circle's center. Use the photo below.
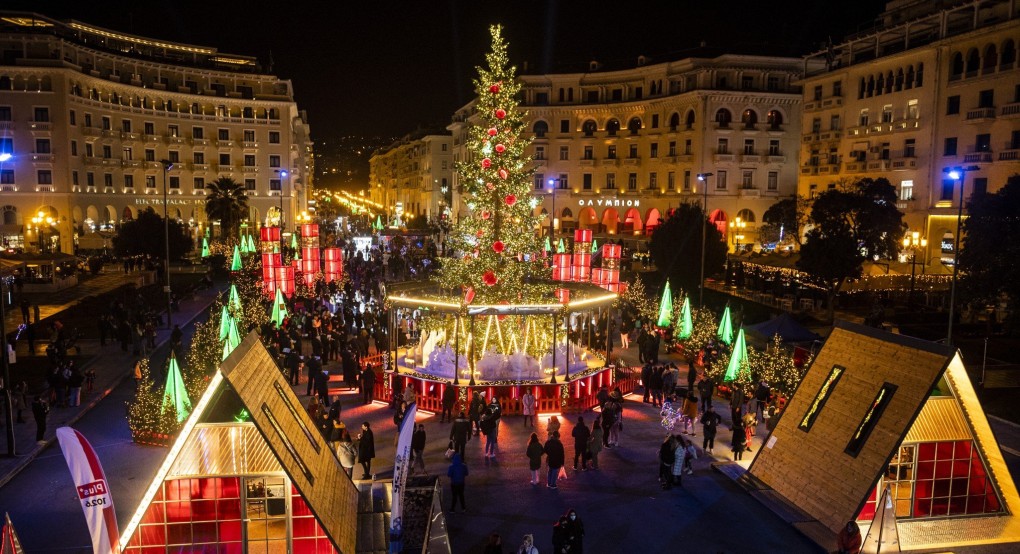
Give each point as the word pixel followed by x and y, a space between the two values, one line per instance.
pixel 588 128
pixel 108 179
pixel 150 155
pixel 225 160
pixel 671 180
pixel 108 151
pixel 564 153
pixel 772 83
pixel 172 130
pixel 45 177
pixel 611 152
pixel 948 187
pixel 41 115
pixel 128 153
pixel 150 181
pixel 632 151
pixel 611 181
pixel 198 157
pixel 723 117
pixel 887 113
pixel 749 147
pixel 816 125
pixel 274 138
pixel 125 125
pixel 564 125
pixel 821 398
pixel 149 128
pixel 223 134
pixel 175 156
pixel 249 135
pixel 950 147
pixel 42 146
pixel 653 180
pixel 586 182
pixel 654 150
pixel 6 176
pixel 197 133
pixel 983 143
pixel 747 179
pixel 986 99
pixel 274 161
pixel 818 92
pixel 74 178
pixel 632 181
pixel 909 148
pixel 724 146
pixel 688 147
pixel 72 118
pixel 199 183
pixel 175 182
pixel 907 190
pixel 74 148
pixel 953 105
pixel 720 180
pixel 864 118
pixel 88 120
pixel 834 123
pixel 871 417
pixel 129 181
pixel 655 121
pixel 837 88
pixel 540 152
pixel 589 152
pixel 687 180
pixel 539 181
pixel 672 148
pixel 773 181
pixel 980 186
pixel 774 147
pixel 562 183
pixel 90 179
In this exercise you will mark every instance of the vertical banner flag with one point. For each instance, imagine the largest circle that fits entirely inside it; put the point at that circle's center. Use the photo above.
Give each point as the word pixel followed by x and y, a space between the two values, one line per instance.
pixel 93 490
pixel 401 465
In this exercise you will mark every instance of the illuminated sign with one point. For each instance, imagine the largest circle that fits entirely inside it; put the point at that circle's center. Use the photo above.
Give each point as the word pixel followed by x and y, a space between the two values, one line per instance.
pixel 609 202
pixel 821 397
pixel 871 417
pixel 169 201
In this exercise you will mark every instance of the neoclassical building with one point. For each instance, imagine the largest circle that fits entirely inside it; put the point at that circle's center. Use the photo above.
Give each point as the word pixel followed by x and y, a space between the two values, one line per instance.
pixel 87 115
pixel 936 85
pixel 616 150
pixel 413 174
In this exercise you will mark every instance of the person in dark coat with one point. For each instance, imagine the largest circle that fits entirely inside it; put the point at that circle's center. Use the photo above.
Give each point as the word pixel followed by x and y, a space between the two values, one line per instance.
pixel 534 453
pixel 40 409
pixel 575 532
pixel 646 377
pixel 457 473
pixel 449 400
pixel 460 433
pixel 581 434
pixel 366 450
pixel 706 387
pixel 322 386
pixel 367 384
pixel 294 365
pixel 555 457
pixel 709 424
pixel 418 439
pixel 314 367
pixel 561 535
pixel 475 413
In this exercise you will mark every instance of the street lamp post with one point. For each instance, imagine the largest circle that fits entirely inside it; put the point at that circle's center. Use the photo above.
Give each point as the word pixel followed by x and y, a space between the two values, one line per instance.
pixel 283 176
pixel 167 166
pixel 737 228
pixel 8 385
pixel 552 220
pixel 703 177
pixel 958 174
pixel 41 221
pixel 913 242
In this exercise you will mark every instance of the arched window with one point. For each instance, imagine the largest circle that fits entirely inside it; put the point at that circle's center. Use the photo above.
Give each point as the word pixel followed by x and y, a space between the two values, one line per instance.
pixel 910 78
pixel 745 215
pixel 1008 54
pixel 589 127
pixel 540 129
pixel 689 120
pixel 723 117
pixel 613 127
pixel 634 125
pixel 871 86
pixel 10 215
pixel 749 119
pixel 566 213
pixel 674 122
pixel 862 88
pixel 889 82
pixel 879 85
pixel 899 80
pixel 920 75
pixel 956 66
pixel 775 120
pixel 991 59
pixel 973 62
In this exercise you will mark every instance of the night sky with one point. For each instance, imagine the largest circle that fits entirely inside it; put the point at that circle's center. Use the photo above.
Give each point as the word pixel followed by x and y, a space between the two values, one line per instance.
pixel 384 68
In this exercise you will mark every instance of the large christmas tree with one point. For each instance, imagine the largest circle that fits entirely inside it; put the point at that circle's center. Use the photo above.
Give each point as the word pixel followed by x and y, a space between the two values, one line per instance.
pixel 497 250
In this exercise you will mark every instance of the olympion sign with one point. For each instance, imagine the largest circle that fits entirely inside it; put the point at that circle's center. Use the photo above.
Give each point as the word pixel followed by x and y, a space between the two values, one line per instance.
pixel 609 202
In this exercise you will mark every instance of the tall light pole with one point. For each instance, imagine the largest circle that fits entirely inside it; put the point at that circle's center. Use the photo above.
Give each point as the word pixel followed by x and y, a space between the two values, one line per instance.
pixel 913 242
pixel 167 166
pixel 41 221
pixel 958 174
pixel 8 384
pixel 283 177
pixel 703 177
pixel 737 227
pixel 552 220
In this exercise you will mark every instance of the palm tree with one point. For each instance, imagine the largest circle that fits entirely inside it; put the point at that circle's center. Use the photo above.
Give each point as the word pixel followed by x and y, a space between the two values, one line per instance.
pixel 226 201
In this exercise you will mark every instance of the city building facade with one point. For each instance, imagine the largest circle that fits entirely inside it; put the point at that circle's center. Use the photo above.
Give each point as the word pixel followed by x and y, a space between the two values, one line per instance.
pixel 615 151
pixel 934 86
pixel 412 177
pixel 89 115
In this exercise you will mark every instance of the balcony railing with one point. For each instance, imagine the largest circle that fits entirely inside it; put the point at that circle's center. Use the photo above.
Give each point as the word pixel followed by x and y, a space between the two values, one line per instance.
pixel 980 114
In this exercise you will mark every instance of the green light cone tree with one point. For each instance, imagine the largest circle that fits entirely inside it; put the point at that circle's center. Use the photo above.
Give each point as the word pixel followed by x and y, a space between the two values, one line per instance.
pixel 738 368
pixel 235 300
pixel 175 394
pixel 495 243
pixel 279 309
pixel 685 322
pixel 703 331
pixel 235 262
pixel 665 307
pixel 725 332
pixel 205 247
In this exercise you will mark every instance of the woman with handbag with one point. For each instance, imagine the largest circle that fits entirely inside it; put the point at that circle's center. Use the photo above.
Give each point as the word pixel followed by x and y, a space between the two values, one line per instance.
pixel 346 452
pixel 534 454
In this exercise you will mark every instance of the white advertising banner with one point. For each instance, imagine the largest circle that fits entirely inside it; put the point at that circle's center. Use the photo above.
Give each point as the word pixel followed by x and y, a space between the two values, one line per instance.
pixel 401 465
pixel 92 489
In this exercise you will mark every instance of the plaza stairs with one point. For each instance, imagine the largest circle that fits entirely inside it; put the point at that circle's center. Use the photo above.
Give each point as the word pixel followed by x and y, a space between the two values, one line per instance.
pixel 374 516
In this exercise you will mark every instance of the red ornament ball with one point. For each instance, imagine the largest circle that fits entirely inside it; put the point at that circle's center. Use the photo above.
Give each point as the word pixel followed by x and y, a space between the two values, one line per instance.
pixel 469 295
pixel 489 278
pixel 480 233
pixel 490 186
pixel 510 200
pixel 486 214
pixel 498 247
pixel 486 163
pixel 503 174
pixel 494 88
pixel 500 113
pixel 500 148
pixel 493 131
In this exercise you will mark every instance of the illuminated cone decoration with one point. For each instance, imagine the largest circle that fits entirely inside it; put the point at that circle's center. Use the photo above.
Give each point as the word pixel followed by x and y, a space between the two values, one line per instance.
pixel 174 393
pixel 279 309
pixel 235 299
pixel 738 360
pixel 205 247
pixel 686 322
pixel 235 262
pixel 725 332
pixel 665 307
pixel 225 318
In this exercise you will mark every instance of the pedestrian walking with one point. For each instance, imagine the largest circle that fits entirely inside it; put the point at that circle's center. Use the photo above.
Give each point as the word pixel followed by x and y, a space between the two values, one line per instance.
pixel 40 409
pixel 528 408
pixel 709 424
pixel 460 433
pixel 534 453
pixel 581 434
pixel 449 400
pixel 554 458
pixel 346 452
pixel 553 426
pixel 561 544
pixel 706 388
pixel 475 412
pixel 367 384
pixel 575 532
pixel 738 442
pixel 667 455
pixel 595 442
pixel 457 472
pixel 418 439
pixel 690 413
pixel 679 456
pixel 366 450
